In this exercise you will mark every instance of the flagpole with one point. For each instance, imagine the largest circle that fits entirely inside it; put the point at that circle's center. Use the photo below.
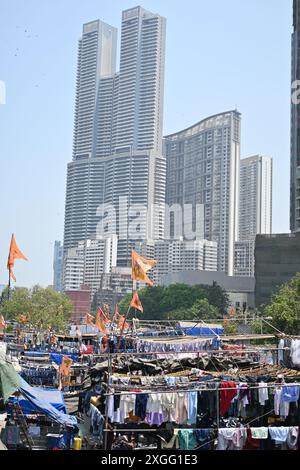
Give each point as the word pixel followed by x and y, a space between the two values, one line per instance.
pixel 122 329
pixel 9 285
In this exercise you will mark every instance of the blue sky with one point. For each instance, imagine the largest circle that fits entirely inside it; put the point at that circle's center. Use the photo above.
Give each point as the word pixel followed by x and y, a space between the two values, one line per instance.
pixel 220 55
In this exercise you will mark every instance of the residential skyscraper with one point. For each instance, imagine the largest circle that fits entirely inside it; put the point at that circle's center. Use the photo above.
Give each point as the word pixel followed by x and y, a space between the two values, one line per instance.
pixel 57 266
pixel 141 84
pixel 295 124
pixel 255 197
pixel 86 263
pixel 255 209
pixel 97 52
pixel 203 164
pixel 118 132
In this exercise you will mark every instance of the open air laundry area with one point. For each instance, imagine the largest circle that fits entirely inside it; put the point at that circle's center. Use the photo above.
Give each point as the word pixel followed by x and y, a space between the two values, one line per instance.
pixel 180 385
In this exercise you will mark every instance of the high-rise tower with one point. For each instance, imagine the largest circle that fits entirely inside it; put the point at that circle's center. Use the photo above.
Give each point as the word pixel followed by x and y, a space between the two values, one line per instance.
pixel 118 131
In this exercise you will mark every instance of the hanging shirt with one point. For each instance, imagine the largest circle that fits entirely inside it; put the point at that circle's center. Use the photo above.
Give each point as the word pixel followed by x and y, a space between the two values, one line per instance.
pixel 295 352
pixel 127 404
pixel 192 407
pixel 282 408
pixel 154 411
pixel 290 393
pixel 232 438
pixel 181 408
pixel 279 435
pixel 243 394
pixel 226 396
pixel 263 393
pixel 141 405
pixel 259 433
pixel 292 438
pixel 168 402
pixel 187 439
pixel 280 351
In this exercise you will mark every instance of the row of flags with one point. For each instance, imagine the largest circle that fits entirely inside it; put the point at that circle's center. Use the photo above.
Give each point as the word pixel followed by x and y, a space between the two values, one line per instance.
pixel 140 267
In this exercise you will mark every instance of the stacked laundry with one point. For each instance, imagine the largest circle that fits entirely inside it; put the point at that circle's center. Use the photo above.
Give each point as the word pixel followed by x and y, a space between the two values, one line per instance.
pixel 39 376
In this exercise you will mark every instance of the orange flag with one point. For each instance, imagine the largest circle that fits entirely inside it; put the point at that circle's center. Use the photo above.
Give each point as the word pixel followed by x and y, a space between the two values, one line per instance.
pixel 103 316
pixel 65 367
pixel 136 303
pixel 140 266
pixel 106 310
pixel 116 314
pixel 2 322
pixel 89 319
pixel 14 253
pixel 232 311
pixel 120 323
pixel 100 322
pixel 23 319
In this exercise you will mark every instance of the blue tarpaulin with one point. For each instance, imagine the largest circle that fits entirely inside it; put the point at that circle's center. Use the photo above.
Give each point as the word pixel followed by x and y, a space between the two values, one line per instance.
pixel 36 354
pixel 57 357
pixel 199 329
pixel 48 402
pixel 54 397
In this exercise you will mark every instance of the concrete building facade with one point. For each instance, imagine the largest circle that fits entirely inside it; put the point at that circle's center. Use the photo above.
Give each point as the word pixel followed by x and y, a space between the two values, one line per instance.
pixel 203 169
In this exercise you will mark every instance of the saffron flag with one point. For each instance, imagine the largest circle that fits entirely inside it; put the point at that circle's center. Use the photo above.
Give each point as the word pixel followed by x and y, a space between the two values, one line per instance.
pixel 136 303
pixel 100 322
pixel 116 314
pixel 122 320
pixel 65 367
pixel 103 316
pixel 140 266
pixel 89 319
pixel 232 311
pixel 2 322
pixel 14 253
pixel 106 310
pixel 23 319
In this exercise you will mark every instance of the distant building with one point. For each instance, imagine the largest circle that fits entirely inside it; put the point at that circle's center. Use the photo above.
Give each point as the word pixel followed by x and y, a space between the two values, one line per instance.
pixel 86 263
pixel 240 290
pixel 81 300
pixel 295 124
pixel 58 266
pixel 277 260
pixel 203 169
pixel 114 286
pixel 178 255
pixel 255 214
pixel 244 258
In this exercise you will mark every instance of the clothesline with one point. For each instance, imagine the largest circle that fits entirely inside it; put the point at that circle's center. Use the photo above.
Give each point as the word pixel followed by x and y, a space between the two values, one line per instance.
pixel 202 352
pixel 173 390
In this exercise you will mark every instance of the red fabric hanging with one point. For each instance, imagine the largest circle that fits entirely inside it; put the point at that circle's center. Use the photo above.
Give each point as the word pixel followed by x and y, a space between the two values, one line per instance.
pixel 226 396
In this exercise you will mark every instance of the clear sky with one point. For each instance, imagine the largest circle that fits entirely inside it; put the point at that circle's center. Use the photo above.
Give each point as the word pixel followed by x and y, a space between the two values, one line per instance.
pixel 220 55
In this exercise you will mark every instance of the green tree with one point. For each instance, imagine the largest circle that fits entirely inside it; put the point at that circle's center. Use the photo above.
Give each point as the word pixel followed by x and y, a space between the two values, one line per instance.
pixel 285 308
pixel 43 307
pixel 201 310
pixel 162 303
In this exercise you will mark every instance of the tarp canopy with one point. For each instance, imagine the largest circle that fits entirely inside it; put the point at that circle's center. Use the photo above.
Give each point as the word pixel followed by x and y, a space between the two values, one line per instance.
pixel 11 382
pixel 9 379
pixel 40 404
pixel 54 397
pixel 201 329
pixel 57 357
